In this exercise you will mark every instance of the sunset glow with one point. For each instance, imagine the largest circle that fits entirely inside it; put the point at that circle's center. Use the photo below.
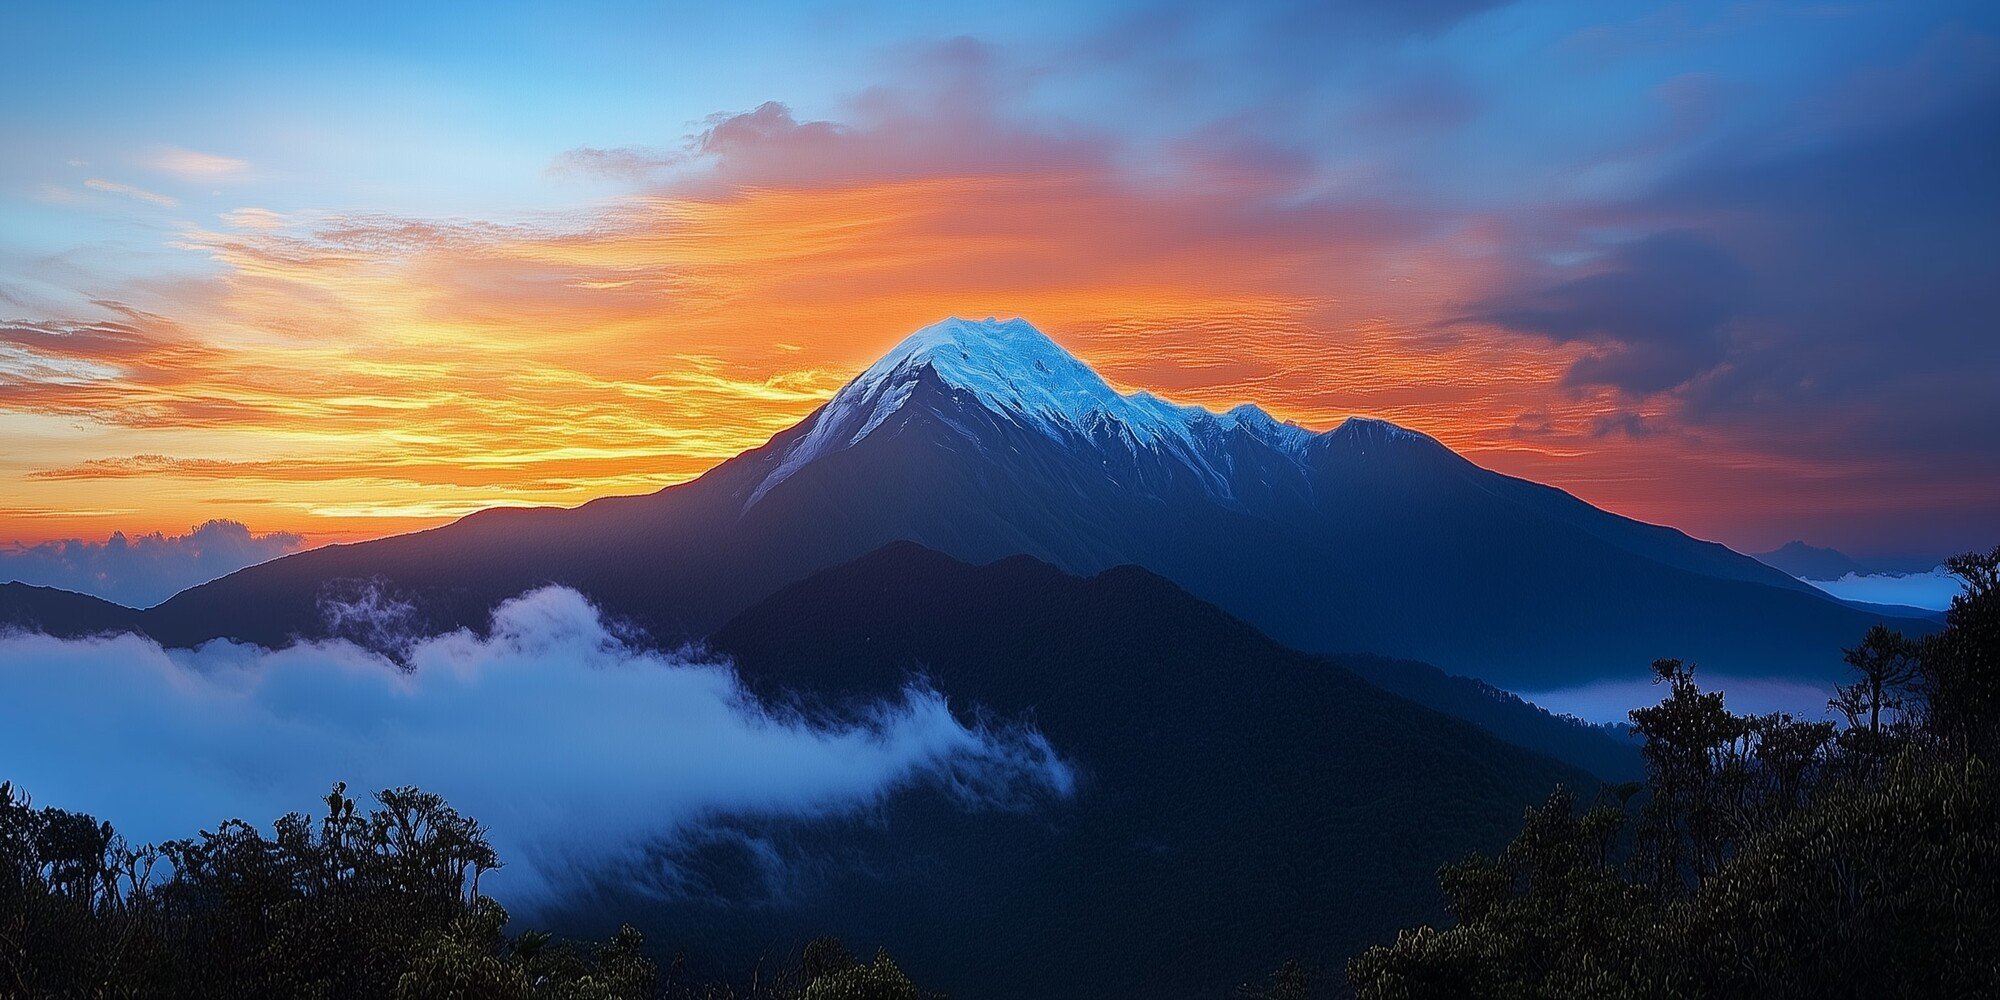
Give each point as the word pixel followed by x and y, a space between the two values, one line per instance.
pixel 203 328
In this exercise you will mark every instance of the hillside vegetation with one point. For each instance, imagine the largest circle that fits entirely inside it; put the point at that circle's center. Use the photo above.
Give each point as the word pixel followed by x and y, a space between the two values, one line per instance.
pixel 1762 855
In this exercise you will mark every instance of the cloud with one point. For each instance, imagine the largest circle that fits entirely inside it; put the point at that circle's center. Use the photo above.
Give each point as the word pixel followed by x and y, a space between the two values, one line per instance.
pixel 191 165
pixel 138 194
pixel 1811 297
pixel 623 163
pixel 1610 701
pixel 1870 263
pixel 579 749
pixel 143 570
pixel 1933 590
pixel 1656 308
pixel 948 115
pixel 261 219
pixel 106 341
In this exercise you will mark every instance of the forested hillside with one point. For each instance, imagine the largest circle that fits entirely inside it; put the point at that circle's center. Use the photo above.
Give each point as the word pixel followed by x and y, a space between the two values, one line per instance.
pixel 1763 855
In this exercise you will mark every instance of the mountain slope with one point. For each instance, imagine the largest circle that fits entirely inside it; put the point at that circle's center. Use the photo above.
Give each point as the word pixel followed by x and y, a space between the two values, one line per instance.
pixel 1239 803
pixel 1810 561
pixel 1609 753
pixel 985 439
pixel 62 613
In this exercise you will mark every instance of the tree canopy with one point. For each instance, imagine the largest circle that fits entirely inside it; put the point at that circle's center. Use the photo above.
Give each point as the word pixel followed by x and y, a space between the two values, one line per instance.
pixel 382 902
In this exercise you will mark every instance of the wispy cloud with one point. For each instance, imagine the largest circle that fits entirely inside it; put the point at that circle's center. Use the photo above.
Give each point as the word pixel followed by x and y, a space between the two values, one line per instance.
pixel 129 191
pixel 193 165
pixel 260 219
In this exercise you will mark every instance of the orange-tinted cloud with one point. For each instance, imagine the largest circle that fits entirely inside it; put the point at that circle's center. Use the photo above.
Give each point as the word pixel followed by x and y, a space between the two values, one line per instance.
pixel 131 191
pixel 350 375
pixel 369 374
pixel 194 165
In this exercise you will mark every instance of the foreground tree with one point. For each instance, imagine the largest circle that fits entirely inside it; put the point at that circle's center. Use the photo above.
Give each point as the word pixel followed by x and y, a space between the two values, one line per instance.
pixel 378 903
pixel 1887 665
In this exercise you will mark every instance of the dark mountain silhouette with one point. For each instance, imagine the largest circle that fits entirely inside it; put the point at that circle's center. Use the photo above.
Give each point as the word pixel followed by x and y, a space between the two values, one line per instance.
pixel 1811 561
pixel 1609 752
pixel 985 439
pixel 1239 803
pixel 63 613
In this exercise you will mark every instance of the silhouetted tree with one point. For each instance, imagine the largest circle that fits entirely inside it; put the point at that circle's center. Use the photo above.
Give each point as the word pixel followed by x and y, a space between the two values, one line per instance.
pixel 1960 666
pixel 1888 664
pixel 375 904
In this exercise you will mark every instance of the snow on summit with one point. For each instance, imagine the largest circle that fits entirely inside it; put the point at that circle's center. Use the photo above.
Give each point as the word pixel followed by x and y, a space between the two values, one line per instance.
pixel 1015 371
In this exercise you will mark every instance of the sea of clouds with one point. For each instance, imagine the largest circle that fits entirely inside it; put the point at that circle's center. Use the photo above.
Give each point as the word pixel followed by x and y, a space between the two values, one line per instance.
pixel 1932 590
pixel 140 571
pixel 577 747
pixel 1611 701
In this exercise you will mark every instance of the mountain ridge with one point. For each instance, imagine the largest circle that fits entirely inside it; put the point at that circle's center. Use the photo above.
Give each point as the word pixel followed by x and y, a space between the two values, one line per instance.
pixel 1814 562
pixel 1596 749
pixel 1361 538
pixel 1247 802
pixel 1015 369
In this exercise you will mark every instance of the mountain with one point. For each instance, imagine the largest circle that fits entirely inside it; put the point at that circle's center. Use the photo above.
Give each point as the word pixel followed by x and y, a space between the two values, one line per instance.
pixel 1607 752
pixel 1238 803
pixel 1810 562
pixel 62 613
pixel 986 439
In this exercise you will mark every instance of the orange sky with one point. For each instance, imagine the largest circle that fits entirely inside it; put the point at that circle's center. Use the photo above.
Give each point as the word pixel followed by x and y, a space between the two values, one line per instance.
pixel 349 276
pixel 345 377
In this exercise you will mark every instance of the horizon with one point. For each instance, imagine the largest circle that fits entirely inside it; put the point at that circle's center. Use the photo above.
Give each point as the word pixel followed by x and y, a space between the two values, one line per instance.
pixel 144 568
pixel 228 546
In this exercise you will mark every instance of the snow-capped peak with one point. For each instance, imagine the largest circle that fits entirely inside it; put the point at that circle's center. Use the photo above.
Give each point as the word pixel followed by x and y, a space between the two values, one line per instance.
pixel 1010 365
pixel 1014 370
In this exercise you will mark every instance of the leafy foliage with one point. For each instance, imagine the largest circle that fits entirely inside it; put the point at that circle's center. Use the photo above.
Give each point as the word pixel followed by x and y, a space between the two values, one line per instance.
pixel 1762 855
pixel 384 903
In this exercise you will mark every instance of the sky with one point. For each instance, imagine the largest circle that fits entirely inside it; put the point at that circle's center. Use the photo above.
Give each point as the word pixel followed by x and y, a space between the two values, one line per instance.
pixel 328 272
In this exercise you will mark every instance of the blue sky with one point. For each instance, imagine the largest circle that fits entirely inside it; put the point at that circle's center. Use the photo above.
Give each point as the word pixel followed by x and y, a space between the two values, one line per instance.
pixel 448 108
pixel 1750 241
